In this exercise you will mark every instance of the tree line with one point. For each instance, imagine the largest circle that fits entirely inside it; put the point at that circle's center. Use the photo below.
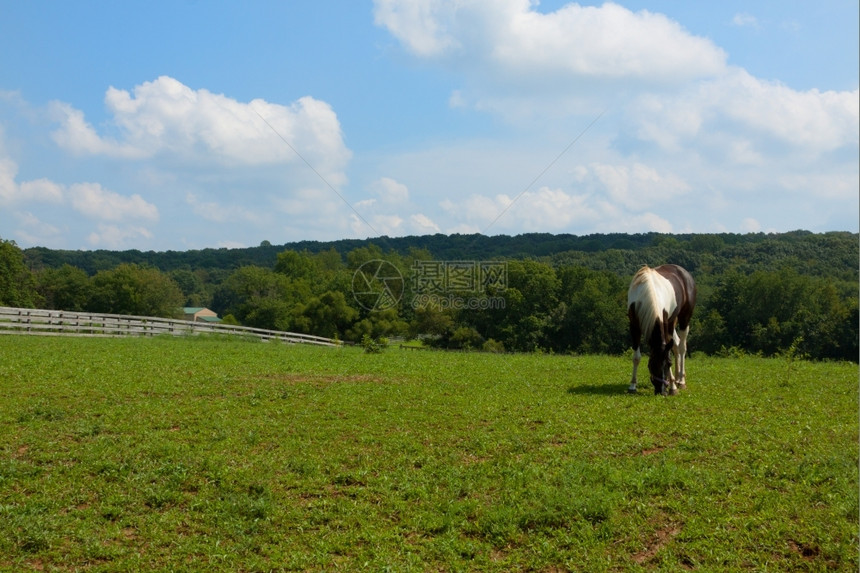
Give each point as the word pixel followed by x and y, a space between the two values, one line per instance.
pixel 758 294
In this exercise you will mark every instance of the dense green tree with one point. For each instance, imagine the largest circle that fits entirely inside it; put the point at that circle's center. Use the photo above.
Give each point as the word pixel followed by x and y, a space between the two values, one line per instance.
pixel 296 265
pixel 135 290
pixel 271 313
pixel 466 338
pixel 530 300
pixel 383 323
pixel 17 286
pixel 260 297
pixel 328 315
pixel 357 257
pixel 431 320
pixel 66 288
pixel 592 317
pixel 329 260
pixel 769 311
pixel 192 286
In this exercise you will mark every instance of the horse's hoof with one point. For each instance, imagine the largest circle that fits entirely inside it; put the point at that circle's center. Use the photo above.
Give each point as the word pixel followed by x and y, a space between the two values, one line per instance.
pixel 682 386
pixel 673 392
pixel 631 390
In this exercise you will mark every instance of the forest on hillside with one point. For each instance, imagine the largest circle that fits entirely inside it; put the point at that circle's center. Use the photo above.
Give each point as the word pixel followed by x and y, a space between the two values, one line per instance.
pixel 759 293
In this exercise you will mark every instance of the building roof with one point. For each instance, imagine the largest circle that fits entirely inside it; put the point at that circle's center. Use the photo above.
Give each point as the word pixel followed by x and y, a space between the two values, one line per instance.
pixel 208 319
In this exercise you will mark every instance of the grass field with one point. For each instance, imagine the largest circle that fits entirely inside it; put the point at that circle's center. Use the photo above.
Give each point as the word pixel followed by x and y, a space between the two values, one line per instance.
pixel 214 454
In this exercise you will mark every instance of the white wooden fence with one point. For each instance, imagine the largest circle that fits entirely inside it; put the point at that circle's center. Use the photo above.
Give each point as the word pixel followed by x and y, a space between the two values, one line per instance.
pixel 64 323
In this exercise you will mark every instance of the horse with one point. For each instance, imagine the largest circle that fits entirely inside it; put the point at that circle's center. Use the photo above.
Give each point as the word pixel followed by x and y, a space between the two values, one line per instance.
pixel 658 300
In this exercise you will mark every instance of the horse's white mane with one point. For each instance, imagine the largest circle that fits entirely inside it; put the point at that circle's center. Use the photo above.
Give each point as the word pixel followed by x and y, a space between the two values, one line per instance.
pixel 648 307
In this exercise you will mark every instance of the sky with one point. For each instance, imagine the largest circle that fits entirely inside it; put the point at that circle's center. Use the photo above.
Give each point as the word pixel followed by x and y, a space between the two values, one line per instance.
pixel 190 124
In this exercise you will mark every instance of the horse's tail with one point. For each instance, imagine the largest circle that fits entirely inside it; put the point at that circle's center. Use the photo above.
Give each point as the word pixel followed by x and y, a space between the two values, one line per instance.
pixel 643 294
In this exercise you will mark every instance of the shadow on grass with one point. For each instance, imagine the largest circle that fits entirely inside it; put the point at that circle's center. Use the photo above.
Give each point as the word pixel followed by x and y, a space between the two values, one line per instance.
pixel 602 390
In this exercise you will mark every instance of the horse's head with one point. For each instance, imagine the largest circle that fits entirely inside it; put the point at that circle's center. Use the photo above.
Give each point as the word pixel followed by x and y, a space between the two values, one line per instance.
pixel 661 343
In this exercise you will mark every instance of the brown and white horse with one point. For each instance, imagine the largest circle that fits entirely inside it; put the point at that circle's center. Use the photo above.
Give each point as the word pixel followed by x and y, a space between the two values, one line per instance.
pixel 659 300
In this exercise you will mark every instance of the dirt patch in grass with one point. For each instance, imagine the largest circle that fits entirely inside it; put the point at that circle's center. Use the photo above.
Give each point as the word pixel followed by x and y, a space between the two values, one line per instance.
pixel 660 539
pixel 321 379
pixel 805 550
pixel 129 533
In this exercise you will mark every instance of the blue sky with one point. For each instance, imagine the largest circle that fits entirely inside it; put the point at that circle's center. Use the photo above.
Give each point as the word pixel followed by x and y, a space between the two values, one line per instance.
pixel 190 124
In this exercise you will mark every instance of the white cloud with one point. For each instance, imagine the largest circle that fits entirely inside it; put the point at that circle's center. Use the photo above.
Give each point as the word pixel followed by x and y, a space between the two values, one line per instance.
pixel 390 191
pixel 78 136
pixel 545 209
pixel 552 211
pixel 209 210
pixel 828 186
pixel 309 201
pixel 742 19
pixel 388 224
pixel 421 24
pixel 89 199
pixel 503 36
pixel 39 190
pixel 165 116
pixel 216 212
pixel 92 200
pixel 749 109
pixel 791 26
pixel 462 229
pixel 649 222
pixel 477 209
pixel 365 204
pixel 34 231
pixel 231 245
pixel 389 212
pixel 456 100
pixel 680 85
pixel 750 225
pixel 742 151
pixel 116 237
pixel 638 186
pixel 314 213
pixel 8 187
pixel 423 225
pixel 605 41
pixel 813 119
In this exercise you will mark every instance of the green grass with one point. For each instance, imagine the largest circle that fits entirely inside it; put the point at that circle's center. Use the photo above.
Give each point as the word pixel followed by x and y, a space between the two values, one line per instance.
pixel 208 454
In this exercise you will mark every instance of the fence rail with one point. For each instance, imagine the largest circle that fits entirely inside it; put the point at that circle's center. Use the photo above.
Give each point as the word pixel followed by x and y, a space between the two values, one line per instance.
pixel 65 323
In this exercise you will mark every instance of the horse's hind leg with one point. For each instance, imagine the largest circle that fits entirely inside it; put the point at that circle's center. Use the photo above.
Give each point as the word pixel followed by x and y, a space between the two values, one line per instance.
pixel 681 357
pixel 635 341
pixel 673 375
pixel 671 388
pixel 637 356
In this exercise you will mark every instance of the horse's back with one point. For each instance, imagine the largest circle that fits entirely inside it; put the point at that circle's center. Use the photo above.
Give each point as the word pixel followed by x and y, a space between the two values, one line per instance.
pixel 685 289
pixel 679 275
